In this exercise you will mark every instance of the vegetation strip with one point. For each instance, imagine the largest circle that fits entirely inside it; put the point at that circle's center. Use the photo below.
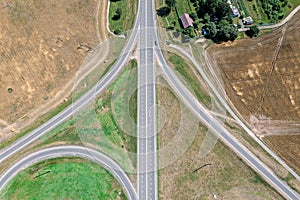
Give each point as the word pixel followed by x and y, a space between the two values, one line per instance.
pixel 63 179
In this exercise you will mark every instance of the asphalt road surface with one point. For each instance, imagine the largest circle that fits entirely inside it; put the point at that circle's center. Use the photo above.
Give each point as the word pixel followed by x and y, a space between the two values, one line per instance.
pixel 147 159
pixel 147 178
pixel 72 151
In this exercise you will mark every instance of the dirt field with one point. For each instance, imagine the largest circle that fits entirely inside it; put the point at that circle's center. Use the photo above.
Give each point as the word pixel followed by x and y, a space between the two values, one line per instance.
pixel 261 75
pixel 290 144
pixel 225 176
pixel 41 51
pixel 262 79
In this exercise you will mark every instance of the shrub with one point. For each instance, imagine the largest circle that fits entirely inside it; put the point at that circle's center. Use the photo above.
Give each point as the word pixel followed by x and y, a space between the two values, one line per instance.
pixel 10 90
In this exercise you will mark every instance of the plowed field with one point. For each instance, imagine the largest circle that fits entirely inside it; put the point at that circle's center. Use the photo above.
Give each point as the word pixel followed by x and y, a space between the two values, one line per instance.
pixel 261 77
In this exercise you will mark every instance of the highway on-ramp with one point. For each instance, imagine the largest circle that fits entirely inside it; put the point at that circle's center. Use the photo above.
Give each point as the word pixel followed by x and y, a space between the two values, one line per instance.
pixel 213 124
pixel 145 29
pixel 72 151
pixel 230 111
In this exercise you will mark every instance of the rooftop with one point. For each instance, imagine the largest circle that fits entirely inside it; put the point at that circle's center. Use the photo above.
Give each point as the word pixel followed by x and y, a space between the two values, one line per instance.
pixel 186 20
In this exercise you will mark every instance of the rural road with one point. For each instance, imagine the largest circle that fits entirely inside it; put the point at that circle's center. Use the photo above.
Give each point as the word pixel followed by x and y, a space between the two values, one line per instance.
pixel 275 25
pixel 72 151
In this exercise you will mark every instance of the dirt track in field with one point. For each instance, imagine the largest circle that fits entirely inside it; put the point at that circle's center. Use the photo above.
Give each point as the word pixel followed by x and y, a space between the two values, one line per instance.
pixel 39 54
pixel 262 79
pixel 262 76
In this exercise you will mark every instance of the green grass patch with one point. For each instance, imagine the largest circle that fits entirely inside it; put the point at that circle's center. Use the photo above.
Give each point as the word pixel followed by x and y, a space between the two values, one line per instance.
pixel 294 4
pixel 121 87
pixel 101 124
pixel 128 13
pixel 63 179
pixel 184 69
pixel 172 19
pixel 243 7
pixel 256 11
pixel 258 179
pixel 184 6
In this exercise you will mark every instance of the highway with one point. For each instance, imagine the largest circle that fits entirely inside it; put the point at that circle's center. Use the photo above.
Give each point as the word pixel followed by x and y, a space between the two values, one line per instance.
pixel 146 33
pixel 72 151
pixel 147 159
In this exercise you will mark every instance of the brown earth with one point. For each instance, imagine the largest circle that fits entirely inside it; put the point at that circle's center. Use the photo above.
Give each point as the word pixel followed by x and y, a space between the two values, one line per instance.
pixel 259 81
pixel 287 147
pixel 261 77
pixel 40 54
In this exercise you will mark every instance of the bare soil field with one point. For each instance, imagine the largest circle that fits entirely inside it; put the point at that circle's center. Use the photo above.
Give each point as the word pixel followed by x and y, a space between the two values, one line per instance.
pixel 261 77
pixel 221 172
pixel 291 146
pixel 259 80
pixel 43 44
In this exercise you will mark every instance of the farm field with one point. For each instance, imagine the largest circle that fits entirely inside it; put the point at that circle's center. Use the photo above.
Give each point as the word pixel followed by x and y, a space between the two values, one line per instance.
pixel 290 144
pixel 261 78
pixel 43 45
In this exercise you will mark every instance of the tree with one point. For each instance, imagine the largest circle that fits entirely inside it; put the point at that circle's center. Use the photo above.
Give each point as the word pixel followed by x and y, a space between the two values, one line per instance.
pixel 189 31
pixel 163 11
pixel 211 29
pixel 196 25
pixel 253 31
pixel 118 14
pixel 170 3
pixel 226 32
pixel 206 18
pixel 218 8
pixel 194 16
pixel 117 31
